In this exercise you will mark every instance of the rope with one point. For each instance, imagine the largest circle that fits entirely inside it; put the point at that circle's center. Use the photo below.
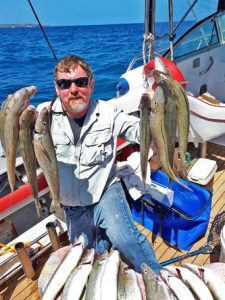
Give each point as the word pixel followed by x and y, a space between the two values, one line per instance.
pixel 148 40
pixel 43 32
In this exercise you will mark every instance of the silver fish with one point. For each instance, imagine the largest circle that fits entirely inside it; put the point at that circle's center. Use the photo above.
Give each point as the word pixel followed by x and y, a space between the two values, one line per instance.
pixel 183 118
pixel 155 287
pixel 170 117
pixel 13 109
pixel 160 66
pixel 93 291
pixel 215 284
pixel 63 271
pixel 145 133
pixel 77 280
pixel 150 281
pixel 180 290
pixel 128 288
pixel 26 125
pixel 46 157
pixel 197 286
pixel 109 279
pixel 158 131
pixel 3 112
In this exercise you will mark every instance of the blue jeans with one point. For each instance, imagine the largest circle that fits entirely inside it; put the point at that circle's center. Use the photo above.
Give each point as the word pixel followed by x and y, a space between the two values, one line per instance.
pixel 110 221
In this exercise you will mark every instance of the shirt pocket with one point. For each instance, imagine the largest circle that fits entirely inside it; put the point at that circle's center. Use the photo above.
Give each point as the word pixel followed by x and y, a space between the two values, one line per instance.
pixel 62 145
pixel 97 147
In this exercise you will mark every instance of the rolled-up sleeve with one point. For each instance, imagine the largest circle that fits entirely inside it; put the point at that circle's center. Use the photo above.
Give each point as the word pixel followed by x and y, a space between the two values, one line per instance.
pixel 127 126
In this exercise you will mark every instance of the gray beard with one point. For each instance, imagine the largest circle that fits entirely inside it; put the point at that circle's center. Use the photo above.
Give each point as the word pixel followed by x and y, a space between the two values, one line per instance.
pixel 78 107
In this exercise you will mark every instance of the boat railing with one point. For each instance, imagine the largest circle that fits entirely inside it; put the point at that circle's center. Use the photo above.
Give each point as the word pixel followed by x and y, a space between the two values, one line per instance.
pixel 138 58
pixel 133 62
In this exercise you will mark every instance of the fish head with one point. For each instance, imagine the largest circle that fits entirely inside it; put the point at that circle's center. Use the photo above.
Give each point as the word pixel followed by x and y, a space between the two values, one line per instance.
pixel 20 99
pixel 28 116
pixel 158 99
pixel 42 121
pixel 160 66
pixel 164 84
pixel 145 101
pixel 31 91
pixel 88 256
pixel 147 272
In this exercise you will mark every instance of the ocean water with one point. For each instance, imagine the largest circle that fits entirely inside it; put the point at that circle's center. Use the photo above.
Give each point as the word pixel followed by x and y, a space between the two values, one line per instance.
pixel 25 58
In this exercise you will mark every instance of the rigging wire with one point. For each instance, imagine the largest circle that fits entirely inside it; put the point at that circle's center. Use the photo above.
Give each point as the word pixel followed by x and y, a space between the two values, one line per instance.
pixel 53 53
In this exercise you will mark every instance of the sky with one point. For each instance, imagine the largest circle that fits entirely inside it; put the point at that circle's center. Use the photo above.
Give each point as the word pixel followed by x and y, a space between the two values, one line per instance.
pixel 72 12
pixel 85 12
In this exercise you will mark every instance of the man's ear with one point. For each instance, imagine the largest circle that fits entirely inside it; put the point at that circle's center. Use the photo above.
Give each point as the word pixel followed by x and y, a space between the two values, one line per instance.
pixel 92 83
pixel 56 89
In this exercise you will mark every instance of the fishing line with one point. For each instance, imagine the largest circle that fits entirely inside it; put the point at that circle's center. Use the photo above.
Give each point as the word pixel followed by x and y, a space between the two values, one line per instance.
pixel 43 31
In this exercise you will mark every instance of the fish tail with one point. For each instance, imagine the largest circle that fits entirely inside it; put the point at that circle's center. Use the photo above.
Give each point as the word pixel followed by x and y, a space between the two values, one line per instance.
pixel 58 210
pixel 38 207
pixel 183 185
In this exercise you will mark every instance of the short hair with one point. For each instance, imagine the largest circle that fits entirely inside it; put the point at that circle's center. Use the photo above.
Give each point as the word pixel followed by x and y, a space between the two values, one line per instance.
pixel 65 64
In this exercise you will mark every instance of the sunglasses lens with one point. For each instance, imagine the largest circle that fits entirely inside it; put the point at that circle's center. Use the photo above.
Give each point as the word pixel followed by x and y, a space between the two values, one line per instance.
pixel 82 81
pixel 66 83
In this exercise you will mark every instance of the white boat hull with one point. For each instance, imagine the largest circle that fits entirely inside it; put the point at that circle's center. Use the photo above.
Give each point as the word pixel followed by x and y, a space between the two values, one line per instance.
pixel 207 119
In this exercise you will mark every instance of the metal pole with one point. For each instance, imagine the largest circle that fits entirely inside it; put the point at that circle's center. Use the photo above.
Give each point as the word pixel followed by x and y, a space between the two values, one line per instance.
pixel 53 235
pixel 171 35
pixel 152 25
pixel 25 260
pixel 147 10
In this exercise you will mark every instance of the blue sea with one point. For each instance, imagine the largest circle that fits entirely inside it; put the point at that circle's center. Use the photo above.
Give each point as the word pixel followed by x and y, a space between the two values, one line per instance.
pixel 26 59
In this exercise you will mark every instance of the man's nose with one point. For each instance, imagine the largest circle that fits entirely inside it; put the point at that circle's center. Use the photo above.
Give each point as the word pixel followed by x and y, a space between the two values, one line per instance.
pixel 73 87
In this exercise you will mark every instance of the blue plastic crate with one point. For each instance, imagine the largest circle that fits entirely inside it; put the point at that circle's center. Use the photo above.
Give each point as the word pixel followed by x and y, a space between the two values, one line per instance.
pixel 182 224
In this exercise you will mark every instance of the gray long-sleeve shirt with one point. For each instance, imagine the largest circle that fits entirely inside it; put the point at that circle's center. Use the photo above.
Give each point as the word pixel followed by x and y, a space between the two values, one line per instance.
pixel 87 168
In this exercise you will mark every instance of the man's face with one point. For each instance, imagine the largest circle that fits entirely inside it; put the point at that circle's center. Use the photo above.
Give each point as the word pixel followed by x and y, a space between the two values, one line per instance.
pixel 75 96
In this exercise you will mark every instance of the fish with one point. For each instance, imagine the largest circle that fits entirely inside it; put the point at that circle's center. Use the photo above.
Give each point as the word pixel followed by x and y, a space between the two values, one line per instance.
pixel 170 119
pixel 183 117
pixel 160 66
pixel 145 133
pixel 197 286
pixel 2 119
pixel 183 123
pixel 77 280
pixel 109 279
pixel 158 132
pixel 26 125
pixel 93 290
pixel 13 109
pixel 155 287
pixel 150 281
pixel 215 284
pixel 46 157
pixel 128 288
pixel 180 290
pixel 64 269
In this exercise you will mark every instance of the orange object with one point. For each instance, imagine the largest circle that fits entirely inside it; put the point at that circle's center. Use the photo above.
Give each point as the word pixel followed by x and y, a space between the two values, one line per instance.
pixel 171 66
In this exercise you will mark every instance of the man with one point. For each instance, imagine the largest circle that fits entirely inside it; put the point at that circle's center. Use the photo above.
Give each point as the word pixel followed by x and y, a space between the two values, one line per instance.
pixel 85 134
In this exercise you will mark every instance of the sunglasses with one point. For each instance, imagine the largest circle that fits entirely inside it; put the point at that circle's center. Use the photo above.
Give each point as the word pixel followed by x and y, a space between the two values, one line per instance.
pixel 64 84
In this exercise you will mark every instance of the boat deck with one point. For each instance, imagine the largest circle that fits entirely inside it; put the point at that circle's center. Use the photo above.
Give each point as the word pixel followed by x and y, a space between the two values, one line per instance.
pixel 19 287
